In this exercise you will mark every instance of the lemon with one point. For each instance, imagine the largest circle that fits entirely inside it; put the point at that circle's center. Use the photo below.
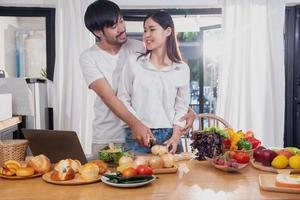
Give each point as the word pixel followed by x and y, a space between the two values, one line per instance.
pixel 294 161
pixel 280 162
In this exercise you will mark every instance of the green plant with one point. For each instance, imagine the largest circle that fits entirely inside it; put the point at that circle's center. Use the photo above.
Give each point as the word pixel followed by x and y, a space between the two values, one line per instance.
pixel 43 73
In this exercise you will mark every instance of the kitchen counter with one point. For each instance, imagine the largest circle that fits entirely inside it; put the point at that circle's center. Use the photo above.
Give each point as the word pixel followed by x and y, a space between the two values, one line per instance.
pixel 201 182
pixel 10 123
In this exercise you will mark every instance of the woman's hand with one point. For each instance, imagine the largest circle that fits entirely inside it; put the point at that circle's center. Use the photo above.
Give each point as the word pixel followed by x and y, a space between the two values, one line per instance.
pixel 174 140
pixel 189 117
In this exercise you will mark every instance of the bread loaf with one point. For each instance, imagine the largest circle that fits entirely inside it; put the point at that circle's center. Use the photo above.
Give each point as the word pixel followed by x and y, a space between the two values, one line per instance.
pixel 101 165
pixel 63 174
pixel 89 171
pixel 74 164
pixel 40 163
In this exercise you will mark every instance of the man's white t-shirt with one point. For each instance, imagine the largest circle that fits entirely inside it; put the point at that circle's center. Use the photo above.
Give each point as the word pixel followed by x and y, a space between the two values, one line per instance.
pixel 99 64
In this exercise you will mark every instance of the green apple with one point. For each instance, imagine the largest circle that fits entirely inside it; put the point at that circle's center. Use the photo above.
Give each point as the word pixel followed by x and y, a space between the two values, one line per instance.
pixel 294 150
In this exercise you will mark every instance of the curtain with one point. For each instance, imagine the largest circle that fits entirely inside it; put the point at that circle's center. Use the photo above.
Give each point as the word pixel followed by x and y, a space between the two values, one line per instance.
pixel 72 100
pixel 251 81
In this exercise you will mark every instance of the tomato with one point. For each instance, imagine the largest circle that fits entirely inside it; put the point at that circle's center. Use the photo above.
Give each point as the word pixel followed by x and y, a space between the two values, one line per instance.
pixel 226 143
pixel 241 157
pixel 233 154
pixel 144 170
pixel 129 172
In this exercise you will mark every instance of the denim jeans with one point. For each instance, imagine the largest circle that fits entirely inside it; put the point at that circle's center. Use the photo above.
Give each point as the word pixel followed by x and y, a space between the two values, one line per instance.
pixel 161 135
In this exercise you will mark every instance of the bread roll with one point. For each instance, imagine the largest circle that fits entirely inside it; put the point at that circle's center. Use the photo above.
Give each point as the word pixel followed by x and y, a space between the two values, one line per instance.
pixel 74 164
pixel 63 175
pixel 101 165
pixel 25 171
pixel 89 171
pixel 40 163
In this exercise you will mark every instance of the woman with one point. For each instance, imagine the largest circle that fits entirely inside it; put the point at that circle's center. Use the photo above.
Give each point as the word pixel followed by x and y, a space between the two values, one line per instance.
pixel 155 86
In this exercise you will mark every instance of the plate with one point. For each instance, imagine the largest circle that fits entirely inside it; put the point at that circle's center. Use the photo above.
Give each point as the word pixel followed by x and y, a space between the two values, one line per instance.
pixel 76 181
pixel 225 168
pixel 259 166
pixel 125 185
pixel 267 182
pixel 20 177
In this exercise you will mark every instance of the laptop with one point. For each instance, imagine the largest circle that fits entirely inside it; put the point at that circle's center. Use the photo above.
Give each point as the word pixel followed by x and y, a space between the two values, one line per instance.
pixel 55 144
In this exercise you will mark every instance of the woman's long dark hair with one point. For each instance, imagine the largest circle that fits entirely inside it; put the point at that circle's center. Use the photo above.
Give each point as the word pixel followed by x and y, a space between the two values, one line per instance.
pixel 165 21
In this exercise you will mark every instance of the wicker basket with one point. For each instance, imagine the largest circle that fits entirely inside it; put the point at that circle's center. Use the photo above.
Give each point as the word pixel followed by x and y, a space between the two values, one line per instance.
pixel 12 150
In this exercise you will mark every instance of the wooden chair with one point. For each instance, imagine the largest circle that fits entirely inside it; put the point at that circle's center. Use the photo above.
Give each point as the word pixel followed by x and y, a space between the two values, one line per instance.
pixel 206 120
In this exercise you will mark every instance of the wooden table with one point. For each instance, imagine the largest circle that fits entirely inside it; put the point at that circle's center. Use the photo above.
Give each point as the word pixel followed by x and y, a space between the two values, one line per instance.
pixel 201 182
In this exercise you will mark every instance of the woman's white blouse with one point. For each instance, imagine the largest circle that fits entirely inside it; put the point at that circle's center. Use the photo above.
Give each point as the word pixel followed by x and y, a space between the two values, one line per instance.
pixel 157 97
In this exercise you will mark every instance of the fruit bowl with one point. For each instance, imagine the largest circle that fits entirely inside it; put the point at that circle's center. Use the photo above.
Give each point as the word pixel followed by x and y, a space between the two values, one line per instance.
pixel 249 152
pixel 227 166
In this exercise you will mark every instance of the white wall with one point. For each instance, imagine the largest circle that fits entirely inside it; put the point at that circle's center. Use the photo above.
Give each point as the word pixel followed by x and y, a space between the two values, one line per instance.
pixel 133 3
pixel 292 2
pixel 167 3
pixel 29 3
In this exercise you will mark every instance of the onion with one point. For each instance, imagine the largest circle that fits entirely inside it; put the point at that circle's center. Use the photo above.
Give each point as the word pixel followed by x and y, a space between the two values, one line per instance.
pixel 141 160
pixel 156 162
pixel 159 150
pixel 168 160
pixel 125 160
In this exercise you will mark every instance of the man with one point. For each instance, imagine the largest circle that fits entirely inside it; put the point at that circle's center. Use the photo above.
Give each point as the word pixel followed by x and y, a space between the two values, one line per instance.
pixel 101 66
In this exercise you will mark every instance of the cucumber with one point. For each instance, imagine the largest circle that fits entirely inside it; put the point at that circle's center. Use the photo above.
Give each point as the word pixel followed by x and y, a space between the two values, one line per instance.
pixel 135 179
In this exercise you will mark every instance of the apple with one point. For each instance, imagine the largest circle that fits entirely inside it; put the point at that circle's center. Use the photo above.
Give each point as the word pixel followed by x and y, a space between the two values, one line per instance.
pixel 294 150
pixel 267 156
pixel 257 153
pixel 285 153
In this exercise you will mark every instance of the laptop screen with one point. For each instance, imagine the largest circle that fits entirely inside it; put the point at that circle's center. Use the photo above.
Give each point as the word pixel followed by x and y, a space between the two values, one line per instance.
pixel 55 144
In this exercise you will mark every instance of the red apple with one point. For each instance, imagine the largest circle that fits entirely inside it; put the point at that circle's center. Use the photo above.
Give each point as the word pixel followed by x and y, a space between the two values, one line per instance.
pixel 267 156
pixel 257 153
pixel 284 152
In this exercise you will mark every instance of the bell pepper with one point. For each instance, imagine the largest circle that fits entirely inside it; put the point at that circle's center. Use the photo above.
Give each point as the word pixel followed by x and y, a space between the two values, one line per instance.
pixel 249 134
pixel 226 142
pixel 234 138
pixel 244 144
pixel 255 142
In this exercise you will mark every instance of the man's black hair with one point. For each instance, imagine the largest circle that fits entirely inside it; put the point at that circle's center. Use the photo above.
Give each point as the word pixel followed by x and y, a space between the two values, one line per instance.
pixel 100 14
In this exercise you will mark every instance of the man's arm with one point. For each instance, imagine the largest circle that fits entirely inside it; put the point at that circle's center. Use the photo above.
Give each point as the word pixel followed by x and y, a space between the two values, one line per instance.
pixel 139 131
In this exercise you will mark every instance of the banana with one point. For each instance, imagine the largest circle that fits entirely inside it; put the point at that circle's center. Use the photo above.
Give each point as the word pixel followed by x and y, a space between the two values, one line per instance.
pixel 5 171
pixel 13 162
pixel 12 165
